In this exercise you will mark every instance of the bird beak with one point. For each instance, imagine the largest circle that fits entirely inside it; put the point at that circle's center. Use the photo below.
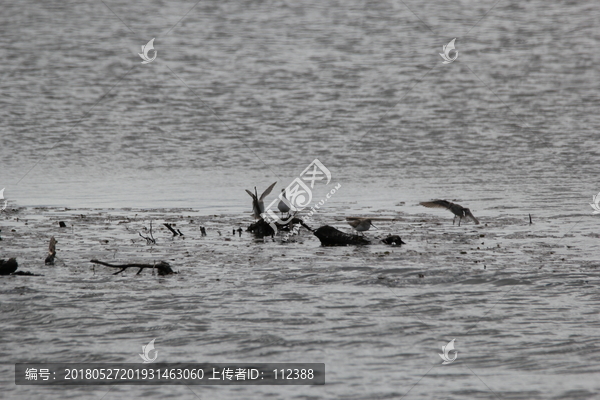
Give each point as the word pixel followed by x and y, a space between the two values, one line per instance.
pixel 373 225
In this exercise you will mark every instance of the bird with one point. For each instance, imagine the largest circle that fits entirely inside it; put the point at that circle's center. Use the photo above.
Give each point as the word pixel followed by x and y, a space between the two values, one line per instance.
pixel 458 210
pixel 51 252
pixel 360 224
pixel 258 205
pixel 282 206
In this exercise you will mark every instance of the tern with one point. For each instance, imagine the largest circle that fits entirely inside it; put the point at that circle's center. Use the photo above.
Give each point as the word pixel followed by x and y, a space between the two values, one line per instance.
pixel 282 206
pixel 258 205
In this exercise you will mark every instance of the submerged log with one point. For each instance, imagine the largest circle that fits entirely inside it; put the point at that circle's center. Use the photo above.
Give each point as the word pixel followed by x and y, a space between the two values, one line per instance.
pixel 173 231
pixel 327 235
pixel 261 229
pixel 330 236
pixel 8 267
pixel 393 240
pixel 162 267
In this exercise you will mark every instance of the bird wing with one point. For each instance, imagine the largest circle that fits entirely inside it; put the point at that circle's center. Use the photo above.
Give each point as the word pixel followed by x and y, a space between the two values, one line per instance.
pixel 251 194
pixel 437 204
pixel 267 191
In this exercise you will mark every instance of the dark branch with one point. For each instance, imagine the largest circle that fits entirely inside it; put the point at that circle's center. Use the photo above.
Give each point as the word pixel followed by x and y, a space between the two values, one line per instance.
pixel 163 267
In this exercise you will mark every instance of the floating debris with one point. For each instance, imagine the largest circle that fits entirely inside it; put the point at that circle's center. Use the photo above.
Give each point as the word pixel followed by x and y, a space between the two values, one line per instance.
pixel 149 239
pixel 8 267
pixel 393 240
pixel 330 236
pixel 163 268
pixel 173 231
pixel 261 229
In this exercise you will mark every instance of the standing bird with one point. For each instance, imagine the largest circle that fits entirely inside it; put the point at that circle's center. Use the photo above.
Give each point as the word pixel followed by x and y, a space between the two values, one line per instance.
pixel 360 224
pixel 258 205
pixel 51 252
pixel 282 206
pixel 458 211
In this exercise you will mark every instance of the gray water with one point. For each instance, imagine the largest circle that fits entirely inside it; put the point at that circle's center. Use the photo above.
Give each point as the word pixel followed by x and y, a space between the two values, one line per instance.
pixel 247 93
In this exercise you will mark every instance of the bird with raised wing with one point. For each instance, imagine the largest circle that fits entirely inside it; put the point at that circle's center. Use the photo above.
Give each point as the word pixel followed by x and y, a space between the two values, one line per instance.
pixel 458 210
pixel 258 204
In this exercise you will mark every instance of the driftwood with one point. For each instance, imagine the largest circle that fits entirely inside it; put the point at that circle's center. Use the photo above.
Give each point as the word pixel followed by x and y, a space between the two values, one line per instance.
pixel 393 240
pixel 330 236
pixel 261 229
pixel 51 252
pixel 173 231
pixel 8 267
pixel 162 267
pixel 149 239
pixel 327 235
